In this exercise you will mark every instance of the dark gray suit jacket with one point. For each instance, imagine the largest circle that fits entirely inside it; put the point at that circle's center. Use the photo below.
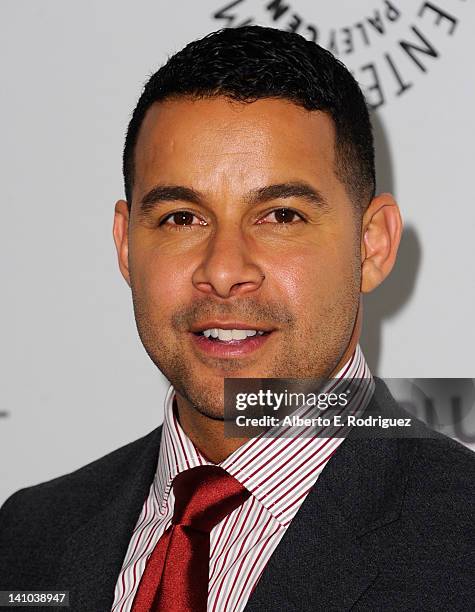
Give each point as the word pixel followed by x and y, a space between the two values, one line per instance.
pixel 389 525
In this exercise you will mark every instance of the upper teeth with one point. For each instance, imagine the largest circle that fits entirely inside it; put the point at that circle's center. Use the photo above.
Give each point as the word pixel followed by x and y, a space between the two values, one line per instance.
pixel 230 334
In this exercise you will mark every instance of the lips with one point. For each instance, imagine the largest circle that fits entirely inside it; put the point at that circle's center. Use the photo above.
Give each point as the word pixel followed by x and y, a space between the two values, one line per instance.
pixel 227 335
pixel 199 328
pixel 225 344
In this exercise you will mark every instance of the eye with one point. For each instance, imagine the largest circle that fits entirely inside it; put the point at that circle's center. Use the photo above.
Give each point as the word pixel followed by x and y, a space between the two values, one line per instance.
pixel 182 218
pixel 282 216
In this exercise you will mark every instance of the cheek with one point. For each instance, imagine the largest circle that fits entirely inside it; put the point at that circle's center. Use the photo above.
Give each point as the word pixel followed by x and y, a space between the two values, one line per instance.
pixel 158 281
pixel 313 276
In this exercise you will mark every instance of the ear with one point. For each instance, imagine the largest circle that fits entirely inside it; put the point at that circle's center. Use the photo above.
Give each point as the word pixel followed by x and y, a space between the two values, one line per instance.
pixel 381 234
pixel 121 237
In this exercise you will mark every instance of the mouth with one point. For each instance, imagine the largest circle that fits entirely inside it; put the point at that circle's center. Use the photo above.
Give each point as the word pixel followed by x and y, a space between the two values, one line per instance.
pixel 230 340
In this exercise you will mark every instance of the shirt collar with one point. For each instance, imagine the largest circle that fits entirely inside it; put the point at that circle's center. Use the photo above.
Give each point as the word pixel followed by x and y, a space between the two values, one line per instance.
pixel 259 462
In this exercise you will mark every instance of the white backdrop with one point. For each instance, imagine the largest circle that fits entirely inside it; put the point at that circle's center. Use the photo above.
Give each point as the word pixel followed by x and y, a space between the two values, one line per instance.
pixel 76 382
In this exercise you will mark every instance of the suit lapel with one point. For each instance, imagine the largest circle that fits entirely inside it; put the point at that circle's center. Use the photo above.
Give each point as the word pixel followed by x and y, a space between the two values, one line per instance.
pixel 318 565
pixel 326 560
pixel 94 553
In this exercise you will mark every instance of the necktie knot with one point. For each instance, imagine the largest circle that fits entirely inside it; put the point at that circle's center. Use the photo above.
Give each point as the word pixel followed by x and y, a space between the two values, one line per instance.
pixel 204 496
pixel 177 572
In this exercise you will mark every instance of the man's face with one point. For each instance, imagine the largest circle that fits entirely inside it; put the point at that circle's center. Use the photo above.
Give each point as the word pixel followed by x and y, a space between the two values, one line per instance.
pixel 260 236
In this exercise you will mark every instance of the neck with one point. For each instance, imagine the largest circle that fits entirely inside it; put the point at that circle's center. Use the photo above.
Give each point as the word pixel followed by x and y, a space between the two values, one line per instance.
pixel 206 434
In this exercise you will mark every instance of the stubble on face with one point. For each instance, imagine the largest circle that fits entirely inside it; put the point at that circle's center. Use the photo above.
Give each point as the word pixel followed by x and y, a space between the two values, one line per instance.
pixel 309 347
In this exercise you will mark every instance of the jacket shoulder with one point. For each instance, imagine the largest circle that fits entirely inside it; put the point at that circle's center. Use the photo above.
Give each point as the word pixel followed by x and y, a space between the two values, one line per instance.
pixel 443 477
pixel 440 482
pixel 38 519
pixel 91 482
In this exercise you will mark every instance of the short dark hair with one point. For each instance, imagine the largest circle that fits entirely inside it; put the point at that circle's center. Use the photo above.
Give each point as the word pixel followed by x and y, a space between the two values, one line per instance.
pixel 254 62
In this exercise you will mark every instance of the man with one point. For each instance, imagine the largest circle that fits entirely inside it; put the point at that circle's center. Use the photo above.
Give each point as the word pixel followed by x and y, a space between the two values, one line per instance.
pixel 249 231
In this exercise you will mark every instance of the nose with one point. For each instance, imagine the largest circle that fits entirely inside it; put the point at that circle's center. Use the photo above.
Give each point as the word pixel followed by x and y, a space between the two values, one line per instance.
pixel 227 268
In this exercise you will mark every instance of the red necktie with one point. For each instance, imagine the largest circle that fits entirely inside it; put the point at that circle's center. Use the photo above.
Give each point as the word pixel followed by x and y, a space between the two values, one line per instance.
pixel 176 575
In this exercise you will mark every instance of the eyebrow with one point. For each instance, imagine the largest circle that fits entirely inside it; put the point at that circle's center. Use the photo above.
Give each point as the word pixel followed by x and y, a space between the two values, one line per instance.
pixel 168 193
pixel 294 189
pixel 280 191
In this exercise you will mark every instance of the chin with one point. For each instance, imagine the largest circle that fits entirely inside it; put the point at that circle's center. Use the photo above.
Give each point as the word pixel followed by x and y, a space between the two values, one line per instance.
pixel 206 398
pixel 210 407
pixel 215 414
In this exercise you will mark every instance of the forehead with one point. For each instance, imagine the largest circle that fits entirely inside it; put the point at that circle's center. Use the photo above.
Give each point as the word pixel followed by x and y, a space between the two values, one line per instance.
pixel 202 141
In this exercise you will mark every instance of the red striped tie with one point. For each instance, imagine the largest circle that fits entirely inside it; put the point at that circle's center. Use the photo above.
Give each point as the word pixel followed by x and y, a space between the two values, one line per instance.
pixel 176 575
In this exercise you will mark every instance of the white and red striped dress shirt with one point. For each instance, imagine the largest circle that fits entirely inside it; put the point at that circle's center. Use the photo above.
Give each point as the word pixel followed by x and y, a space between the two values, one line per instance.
pixel 278 471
